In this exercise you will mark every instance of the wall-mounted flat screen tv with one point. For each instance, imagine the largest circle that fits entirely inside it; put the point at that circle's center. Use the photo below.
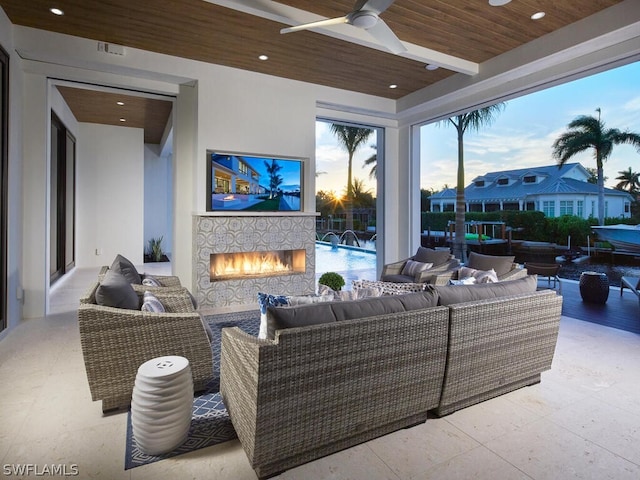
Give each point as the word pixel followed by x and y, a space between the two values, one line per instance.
pixel 253 183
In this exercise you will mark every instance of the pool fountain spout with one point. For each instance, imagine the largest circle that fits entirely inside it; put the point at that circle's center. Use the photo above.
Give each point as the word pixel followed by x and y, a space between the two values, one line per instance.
pixel 344 237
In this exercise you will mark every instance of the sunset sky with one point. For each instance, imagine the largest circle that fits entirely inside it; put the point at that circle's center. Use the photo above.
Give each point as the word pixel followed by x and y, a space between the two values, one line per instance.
pixel 521 136
pixel 524 132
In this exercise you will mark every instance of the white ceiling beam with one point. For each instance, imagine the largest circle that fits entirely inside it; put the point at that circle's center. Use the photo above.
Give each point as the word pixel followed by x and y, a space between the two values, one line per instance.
pixel 287 15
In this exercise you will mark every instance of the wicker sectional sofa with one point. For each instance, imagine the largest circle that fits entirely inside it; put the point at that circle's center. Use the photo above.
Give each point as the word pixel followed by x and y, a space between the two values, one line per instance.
pixel 320 388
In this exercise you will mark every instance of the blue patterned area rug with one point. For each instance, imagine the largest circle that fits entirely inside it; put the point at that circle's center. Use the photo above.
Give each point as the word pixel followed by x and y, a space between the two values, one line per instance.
pixel 210 422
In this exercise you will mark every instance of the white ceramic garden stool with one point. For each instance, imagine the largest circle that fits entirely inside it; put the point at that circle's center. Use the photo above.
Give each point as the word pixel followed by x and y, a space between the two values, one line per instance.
pixel 161 404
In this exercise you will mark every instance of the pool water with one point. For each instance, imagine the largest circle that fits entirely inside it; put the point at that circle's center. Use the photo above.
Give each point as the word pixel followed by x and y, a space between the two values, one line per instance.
pixel 351 263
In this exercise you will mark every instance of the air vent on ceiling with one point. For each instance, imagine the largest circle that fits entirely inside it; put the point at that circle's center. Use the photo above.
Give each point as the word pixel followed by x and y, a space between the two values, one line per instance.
pixel 111 48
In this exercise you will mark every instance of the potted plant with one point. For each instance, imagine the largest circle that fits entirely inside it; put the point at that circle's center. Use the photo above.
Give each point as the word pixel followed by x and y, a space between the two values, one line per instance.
pixel 155 252
pixel 332 280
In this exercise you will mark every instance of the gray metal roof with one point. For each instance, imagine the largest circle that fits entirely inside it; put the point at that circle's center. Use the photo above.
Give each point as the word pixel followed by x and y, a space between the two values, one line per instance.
pixel 553 181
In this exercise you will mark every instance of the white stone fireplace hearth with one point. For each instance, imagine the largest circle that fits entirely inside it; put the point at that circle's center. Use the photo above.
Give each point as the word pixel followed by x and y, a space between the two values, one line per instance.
pixel 265 233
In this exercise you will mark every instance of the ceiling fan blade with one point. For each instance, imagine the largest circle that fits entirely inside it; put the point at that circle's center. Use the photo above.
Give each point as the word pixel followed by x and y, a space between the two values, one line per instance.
pixel 319 23
pixel 385 36
pixel 377 6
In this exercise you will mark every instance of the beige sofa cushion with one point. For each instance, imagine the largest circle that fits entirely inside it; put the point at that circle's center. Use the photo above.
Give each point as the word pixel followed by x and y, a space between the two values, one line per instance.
pixel 451 294
pixel 500 264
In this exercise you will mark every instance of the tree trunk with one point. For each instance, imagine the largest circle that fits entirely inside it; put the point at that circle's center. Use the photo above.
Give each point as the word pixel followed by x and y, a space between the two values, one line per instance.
pixel 348 204
pixel 600 191
pixel 460 242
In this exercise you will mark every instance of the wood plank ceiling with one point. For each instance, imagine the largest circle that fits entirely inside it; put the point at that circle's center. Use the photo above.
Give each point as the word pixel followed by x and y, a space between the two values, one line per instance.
pixel 201 30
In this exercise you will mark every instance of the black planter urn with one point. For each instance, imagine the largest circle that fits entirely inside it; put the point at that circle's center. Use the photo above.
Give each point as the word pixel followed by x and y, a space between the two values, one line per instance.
pixel 594 287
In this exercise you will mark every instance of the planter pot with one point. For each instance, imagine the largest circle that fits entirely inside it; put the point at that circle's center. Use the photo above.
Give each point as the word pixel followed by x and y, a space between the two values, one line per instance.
pixel 594 287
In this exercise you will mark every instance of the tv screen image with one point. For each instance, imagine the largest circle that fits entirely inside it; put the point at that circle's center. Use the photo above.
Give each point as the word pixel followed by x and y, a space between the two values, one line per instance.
pixel 238 182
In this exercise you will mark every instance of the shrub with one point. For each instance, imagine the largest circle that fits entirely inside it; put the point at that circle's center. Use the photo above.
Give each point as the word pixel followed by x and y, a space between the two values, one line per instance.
pixel 332 280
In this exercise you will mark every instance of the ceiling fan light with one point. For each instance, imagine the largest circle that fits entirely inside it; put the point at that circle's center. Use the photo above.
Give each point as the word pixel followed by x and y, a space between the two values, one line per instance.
pixel 363 19
pixel 498 3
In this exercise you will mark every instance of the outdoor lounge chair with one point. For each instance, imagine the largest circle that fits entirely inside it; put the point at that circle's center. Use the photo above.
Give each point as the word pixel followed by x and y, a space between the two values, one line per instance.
pixel 444 265
pixel 632 283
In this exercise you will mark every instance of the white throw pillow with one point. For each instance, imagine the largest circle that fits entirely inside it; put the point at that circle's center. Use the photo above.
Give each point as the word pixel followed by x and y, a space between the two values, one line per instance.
pixel 480 276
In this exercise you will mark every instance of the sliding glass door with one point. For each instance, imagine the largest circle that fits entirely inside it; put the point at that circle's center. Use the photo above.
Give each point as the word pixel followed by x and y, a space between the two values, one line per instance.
pixel 62 200
pixel 4 186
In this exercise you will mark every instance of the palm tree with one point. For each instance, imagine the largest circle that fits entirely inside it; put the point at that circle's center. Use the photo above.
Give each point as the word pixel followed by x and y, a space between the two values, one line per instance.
pixel 351 138
pixel 587 132
pixel 275 180
pixel 629 180
pixel 467 121
pixel 373 161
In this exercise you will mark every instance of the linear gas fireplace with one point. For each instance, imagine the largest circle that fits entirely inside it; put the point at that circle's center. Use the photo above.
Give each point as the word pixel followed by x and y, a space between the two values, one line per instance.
pixel 238 265
pixel 277 257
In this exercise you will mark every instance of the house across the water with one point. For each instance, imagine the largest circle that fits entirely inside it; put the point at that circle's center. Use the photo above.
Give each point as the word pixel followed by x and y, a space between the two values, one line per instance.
pixel 549 189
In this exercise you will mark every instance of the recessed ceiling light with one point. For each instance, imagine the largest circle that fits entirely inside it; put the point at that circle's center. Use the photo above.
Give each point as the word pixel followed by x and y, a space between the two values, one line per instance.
pixel 537 16
pixel 263 57
pixel 56 11
pixel 120 103
pixel 393 85
pixel 123 119
pixel 498 3
pixel 431 66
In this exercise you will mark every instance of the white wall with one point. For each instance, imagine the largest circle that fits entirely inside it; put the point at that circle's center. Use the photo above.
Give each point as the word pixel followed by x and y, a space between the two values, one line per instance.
pixel 158 197
pixel 110 194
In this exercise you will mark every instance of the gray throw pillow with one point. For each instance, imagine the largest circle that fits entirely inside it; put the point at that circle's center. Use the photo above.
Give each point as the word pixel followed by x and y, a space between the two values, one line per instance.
pixel 450 294
pixel 116 291
pixel 500 264
pixel 126 268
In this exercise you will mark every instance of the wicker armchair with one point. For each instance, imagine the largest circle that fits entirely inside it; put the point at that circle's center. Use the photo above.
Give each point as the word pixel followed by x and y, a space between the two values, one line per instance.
pixel 504 266
pixel 444 266
pixel 115 342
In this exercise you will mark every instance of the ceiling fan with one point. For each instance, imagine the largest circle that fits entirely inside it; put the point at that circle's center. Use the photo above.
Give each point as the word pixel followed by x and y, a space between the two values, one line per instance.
pixel 365 15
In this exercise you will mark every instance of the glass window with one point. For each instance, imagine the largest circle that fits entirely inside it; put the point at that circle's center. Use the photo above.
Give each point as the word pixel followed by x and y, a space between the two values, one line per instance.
pixel 580 208
pixel 503 181
pixel 479 183
pixel 566 207
pixel 549 208
pixel 529 179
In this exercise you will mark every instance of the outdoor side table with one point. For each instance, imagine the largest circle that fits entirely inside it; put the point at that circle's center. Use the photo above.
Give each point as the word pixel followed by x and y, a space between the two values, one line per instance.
pixel 161 404
pixel 594 287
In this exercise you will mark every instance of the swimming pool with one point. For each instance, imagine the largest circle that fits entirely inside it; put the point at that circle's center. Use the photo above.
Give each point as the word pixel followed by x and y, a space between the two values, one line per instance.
pixel 352 263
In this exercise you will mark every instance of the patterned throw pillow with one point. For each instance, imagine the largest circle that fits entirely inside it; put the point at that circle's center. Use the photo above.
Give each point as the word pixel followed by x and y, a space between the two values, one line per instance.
pixel 389 288
pixel 151 281
pixel 150 303
pixel 265 300
pixel 353 294
pixel 413 268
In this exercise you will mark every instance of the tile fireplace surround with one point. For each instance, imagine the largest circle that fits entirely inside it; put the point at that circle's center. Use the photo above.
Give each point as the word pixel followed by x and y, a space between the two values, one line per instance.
pixel 228 234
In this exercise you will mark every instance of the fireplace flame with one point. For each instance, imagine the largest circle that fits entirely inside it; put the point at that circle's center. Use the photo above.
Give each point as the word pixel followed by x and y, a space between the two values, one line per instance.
pixel 248 263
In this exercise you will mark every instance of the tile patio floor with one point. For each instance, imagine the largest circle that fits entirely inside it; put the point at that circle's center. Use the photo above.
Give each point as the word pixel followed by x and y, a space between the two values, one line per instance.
pixel 582 420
